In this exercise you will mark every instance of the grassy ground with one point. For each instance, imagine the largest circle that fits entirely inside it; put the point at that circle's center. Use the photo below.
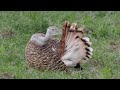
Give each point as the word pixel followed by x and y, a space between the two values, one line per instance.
pixel 16 29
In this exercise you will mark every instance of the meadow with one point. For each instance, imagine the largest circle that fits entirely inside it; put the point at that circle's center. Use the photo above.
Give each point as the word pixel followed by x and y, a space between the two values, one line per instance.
pixel 102 27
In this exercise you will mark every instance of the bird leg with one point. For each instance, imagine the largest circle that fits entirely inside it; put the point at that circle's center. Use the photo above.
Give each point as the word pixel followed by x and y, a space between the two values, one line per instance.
pixel 78 66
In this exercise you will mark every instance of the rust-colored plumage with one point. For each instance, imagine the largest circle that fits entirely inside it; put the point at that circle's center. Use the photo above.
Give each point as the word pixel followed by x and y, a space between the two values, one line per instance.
pixel 63 38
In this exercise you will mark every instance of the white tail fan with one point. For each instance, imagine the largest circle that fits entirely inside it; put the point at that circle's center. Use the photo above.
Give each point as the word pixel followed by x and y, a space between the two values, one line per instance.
pixel 74 45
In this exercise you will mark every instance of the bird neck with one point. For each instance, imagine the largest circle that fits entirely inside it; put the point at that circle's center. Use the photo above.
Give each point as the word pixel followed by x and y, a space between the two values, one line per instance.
pixel 47 37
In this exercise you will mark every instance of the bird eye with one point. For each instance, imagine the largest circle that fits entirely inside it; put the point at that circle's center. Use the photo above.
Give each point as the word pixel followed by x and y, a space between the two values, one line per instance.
pixel 52 29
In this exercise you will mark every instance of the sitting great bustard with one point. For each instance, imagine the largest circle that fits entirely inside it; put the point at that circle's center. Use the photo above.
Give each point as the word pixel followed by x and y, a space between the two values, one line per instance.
pixel 44 52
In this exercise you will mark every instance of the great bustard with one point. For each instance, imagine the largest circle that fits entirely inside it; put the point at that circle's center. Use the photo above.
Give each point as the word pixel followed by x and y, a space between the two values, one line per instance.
pixel 44 52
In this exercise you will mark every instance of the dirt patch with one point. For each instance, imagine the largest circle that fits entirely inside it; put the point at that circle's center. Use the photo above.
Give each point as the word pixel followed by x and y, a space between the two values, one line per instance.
pixel 6 34
pixel 117 62
pixel 7 76
pixel 115 46
pixel 96 63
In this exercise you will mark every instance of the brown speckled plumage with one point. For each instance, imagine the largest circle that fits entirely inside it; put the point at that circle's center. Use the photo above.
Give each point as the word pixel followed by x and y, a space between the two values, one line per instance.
pixel 44 57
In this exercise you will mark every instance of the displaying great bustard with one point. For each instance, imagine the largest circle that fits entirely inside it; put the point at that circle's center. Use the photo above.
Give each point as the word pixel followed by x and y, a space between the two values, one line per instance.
pixel 44 52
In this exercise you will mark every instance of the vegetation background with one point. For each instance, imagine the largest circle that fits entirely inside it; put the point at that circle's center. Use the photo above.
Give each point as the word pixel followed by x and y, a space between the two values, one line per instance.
pixel 103 29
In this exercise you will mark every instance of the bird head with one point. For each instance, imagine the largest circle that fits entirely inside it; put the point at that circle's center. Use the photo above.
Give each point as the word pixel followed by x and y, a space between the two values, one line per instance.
pixel 52 31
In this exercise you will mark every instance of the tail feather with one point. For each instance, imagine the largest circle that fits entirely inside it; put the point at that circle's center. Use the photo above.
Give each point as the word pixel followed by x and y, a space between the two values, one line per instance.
pixel 74 45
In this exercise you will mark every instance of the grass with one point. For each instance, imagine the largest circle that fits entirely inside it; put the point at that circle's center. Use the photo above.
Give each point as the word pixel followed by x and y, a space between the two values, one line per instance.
pixel 103 30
